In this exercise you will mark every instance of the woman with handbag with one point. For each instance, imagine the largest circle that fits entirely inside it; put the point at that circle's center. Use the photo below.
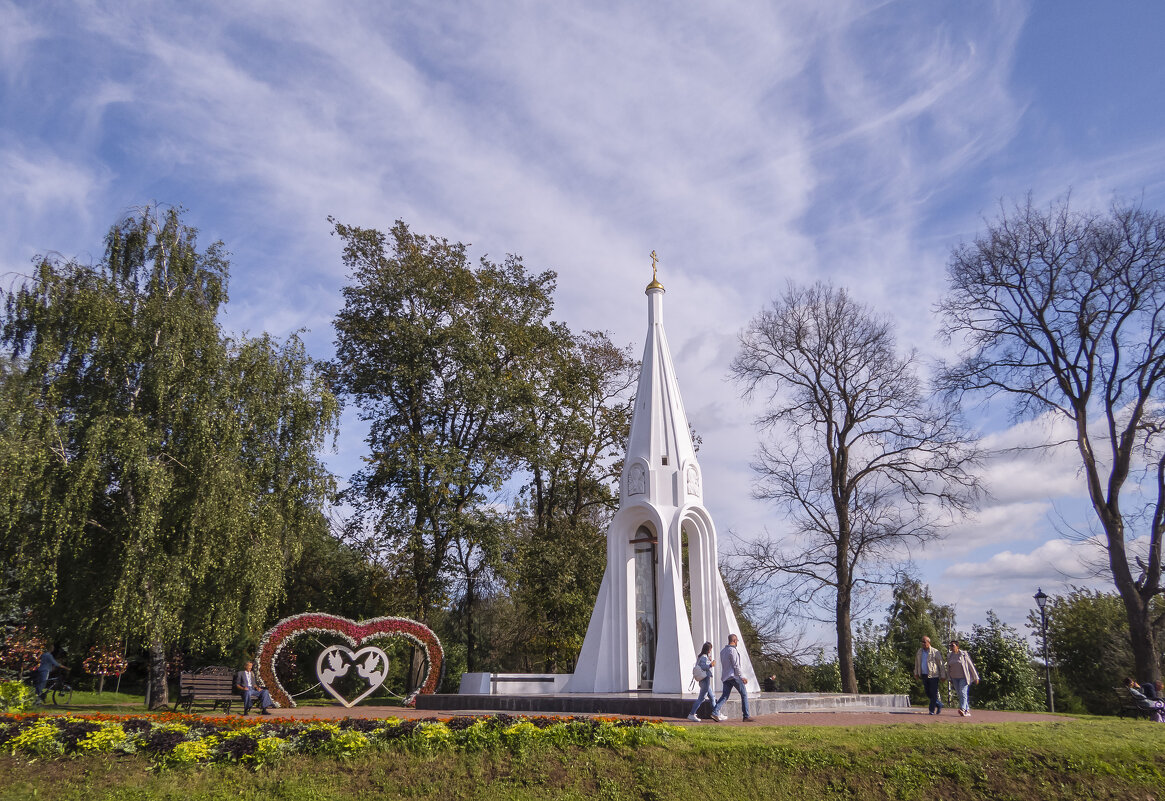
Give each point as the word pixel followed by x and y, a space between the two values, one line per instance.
pixel 702 672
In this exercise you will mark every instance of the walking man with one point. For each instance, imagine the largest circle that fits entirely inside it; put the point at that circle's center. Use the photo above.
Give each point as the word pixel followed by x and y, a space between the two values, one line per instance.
pixel 732 676
pixel 928 667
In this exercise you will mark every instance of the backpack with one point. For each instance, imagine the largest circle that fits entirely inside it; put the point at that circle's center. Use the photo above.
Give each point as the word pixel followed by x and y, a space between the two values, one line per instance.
pixel 698 673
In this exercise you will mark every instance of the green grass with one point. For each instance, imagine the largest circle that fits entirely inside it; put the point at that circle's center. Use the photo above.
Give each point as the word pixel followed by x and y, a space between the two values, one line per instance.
pixel 1068 759
pixel 89 702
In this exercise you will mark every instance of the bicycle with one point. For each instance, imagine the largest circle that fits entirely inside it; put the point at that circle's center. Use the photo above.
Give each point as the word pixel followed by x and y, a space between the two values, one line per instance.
pixel 61 691
pixel 57 690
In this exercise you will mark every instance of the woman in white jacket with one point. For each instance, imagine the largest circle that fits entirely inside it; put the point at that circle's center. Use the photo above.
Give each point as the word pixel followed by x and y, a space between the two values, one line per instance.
pixel 962 674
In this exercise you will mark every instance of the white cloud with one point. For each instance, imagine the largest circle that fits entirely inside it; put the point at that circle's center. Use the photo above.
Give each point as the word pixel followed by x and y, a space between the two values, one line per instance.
pixel 18 32
pixel 38 181
pixel 853 142
pixel 1053 559
pixel 993 525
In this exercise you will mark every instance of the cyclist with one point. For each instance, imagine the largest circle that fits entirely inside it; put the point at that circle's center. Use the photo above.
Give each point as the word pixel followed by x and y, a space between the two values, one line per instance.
pixel 48 661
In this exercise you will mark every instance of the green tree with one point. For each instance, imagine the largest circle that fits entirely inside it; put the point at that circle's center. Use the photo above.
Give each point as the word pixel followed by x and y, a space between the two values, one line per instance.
pixel 824 674
pixel 441 360
pixel 336 577
pixel 1088 644
pixel 579 428
pixel 1064 313
pixel 912 615
pixel 1007 678
pixel 876 662
pixel 160 477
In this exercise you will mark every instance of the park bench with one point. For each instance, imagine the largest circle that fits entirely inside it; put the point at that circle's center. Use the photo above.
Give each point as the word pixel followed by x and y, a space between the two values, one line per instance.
pixel 1129 705
pixel 209 685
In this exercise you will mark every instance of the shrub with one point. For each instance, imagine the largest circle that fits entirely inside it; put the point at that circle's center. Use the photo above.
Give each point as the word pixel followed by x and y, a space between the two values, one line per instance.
pixel 1004 663
pixel 39 739
pixel 15 696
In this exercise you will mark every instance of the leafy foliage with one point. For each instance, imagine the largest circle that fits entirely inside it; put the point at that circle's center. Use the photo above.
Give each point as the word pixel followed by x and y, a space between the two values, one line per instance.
pixel 824 674
pixel 1007 679
pixel 469 386
pixel 912 615
pixel 580 426
pixel 439 358
pixel 876 662
pixel 161 475
pixel 1088 644
pixel 15 696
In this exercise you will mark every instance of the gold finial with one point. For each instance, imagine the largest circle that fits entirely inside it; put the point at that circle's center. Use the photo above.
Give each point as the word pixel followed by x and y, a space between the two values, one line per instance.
pixel 655 284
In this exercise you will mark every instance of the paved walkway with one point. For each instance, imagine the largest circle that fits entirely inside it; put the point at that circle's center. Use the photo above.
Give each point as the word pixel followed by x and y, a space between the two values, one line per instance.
pixel 915 715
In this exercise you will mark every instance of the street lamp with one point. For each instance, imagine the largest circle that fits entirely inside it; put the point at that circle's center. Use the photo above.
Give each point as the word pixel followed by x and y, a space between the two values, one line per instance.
pixel 1042 601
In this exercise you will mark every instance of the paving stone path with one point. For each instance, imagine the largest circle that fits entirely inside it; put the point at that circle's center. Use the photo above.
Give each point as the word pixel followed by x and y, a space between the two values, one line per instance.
pixel 917 716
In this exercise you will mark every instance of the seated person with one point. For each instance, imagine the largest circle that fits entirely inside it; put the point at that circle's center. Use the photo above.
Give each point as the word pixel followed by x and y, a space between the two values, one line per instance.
pixel 1142 700
pixel 249 689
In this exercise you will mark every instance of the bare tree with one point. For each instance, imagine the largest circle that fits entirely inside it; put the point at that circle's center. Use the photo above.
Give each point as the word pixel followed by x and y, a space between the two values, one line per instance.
pixel 1065 313
pixel 861 462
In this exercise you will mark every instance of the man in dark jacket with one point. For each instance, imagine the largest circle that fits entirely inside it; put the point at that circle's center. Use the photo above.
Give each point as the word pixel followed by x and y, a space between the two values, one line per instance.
pixel 249 689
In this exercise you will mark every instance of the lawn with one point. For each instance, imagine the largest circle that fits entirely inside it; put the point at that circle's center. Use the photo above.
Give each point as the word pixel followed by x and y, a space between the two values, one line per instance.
pixel 1074 758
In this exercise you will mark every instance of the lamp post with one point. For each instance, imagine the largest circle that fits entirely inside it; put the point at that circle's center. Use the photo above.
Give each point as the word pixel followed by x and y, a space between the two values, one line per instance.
pixel 1042 601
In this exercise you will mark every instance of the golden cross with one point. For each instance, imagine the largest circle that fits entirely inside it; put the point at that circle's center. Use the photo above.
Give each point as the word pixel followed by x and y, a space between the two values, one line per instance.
pixel 654 263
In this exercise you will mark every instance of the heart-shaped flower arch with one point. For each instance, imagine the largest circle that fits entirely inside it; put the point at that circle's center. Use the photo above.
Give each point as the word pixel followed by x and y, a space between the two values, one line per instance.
pixel 355 634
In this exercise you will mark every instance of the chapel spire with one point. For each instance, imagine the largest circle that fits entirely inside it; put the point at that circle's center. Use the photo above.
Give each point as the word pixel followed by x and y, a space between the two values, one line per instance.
pixel 660 441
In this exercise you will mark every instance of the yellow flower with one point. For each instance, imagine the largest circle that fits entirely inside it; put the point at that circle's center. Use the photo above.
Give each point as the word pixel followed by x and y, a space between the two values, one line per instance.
pixel 192 751
pixel 39 739
pixel 109 737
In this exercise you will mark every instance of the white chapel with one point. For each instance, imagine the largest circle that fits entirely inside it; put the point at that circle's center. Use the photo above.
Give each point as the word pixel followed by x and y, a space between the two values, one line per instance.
pixel 641 636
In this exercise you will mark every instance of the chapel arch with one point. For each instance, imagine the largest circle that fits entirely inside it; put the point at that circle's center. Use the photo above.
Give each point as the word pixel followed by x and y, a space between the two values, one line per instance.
pixel 700 573
pixel 645 556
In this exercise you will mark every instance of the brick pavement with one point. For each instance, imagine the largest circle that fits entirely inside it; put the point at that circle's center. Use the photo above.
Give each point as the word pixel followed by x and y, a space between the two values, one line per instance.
pixel 917 716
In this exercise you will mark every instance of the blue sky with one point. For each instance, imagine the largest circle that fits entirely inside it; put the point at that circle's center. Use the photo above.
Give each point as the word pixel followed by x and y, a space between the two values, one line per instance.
pixel 747 143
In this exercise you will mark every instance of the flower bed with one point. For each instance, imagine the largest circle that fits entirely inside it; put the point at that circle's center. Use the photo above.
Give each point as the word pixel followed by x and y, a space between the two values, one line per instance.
pixel 172 739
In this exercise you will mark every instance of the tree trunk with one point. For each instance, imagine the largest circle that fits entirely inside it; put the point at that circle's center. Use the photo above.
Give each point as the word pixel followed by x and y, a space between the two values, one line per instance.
pixel 470 640
pixel 1143 640
pixel 159 692
pixel 1145 649
pixel 845 643
pixel 845 637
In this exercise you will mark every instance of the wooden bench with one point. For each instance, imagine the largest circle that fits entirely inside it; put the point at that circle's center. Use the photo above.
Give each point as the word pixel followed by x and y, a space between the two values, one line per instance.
pixel 1129 705
pixel 209 685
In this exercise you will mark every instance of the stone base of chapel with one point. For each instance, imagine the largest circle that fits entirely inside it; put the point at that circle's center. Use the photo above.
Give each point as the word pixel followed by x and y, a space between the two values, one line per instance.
pixel 657 704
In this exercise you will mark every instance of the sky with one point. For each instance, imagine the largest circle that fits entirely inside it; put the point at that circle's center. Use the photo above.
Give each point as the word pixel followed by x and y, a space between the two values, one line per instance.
pixel 748 143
